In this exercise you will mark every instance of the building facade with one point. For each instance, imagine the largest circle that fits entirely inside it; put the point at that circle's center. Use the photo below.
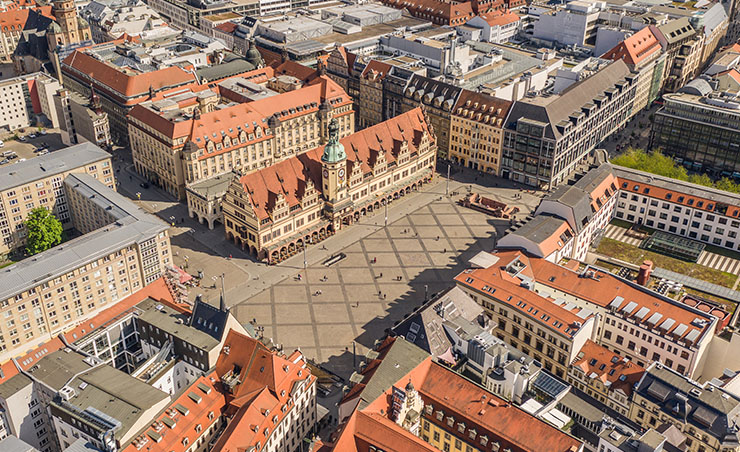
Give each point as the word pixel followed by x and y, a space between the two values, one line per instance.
pixel 122 249
pixel 547 140
pixel 278 210
pixel 119 89
pixel 38 182
pixel 549 333
pixel 605 376
pixel 700 128
pixel 700 213
pixel 643 54
pixel 190 141
pixel 476 126
pixel 438 100
pixel 82 119
pixel 701 412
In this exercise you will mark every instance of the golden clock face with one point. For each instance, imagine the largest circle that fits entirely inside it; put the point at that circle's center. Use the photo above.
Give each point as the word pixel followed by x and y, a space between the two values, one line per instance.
pixel 341 172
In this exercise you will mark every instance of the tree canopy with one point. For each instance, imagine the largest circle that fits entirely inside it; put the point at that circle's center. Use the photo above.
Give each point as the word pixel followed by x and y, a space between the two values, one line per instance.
pixel 44 231
pixel 656 163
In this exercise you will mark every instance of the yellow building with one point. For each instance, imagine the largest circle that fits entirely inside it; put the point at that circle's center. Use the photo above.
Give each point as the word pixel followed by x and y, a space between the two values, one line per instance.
pixel 122 250
pixel 476 126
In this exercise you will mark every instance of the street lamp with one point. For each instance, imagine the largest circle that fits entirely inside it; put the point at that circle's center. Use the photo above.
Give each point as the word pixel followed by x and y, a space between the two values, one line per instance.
pixel 386 213
pixel 447 189
pixel 426 292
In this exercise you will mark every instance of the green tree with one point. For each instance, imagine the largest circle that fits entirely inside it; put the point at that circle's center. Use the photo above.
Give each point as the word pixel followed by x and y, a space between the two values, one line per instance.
pixel 44 231
pixel 701 179
pixel 727 185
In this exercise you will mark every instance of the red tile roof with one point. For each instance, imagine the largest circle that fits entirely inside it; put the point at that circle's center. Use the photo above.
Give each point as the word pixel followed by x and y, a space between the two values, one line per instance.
pixel 290 177
pixel 603 288
pixel 228 122
pixel 440 12
pixel 733 73
pixel 377 69
pixel 267 384
pixel 635 49
pixel 170 428
pixel 227 27
pixel 498 18
pixel 157 290
pixel 613 370
pixel 481 107
pixel 482 413
pixel 127 85
pixel 495 282
pixel 15 19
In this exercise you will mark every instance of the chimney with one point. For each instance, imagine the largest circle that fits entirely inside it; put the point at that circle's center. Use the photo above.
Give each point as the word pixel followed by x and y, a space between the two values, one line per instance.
pixel 644 275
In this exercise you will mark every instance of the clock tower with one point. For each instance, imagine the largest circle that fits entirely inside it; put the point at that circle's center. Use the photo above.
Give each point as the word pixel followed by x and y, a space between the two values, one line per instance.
pixel 334 173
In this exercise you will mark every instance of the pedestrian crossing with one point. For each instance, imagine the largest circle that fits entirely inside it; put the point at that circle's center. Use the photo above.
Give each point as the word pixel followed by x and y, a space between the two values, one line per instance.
pixel 719 262
pixel 617 233
pixel 707 259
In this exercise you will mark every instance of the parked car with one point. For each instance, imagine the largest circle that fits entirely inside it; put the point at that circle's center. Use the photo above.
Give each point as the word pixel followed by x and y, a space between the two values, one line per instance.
pixel 2 144
pixel 43 132
pixel 144 185
pixel 21 138
pixel 32 136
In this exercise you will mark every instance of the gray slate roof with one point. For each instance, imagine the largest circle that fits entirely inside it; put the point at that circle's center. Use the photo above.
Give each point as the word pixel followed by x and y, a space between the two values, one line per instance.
pixel 553 109
pixel 13 444
pixel 577 197
pixel 429 334
pixel 56 162
pixel 712 411
pixel 175 323
pixel 538 229
pixel 401 359
pixel 12 386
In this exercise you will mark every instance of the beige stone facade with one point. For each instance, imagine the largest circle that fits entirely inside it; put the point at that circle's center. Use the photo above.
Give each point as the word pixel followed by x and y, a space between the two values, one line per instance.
pixel 122 249
pixel 38 183
pixel 278 210
pixel 188 144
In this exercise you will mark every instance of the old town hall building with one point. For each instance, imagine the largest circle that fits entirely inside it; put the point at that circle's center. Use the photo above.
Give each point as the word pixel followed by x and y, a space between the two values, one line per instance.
pixel 276 211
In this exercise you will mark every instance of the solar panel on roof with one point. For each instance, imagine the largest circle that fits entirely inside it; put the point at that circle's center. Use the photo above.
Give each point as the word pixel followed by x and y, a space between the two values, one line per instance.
pixel 680 329
pixel 616 302
pixel 642 313
pixel 655 318
pixel 630 307
pixel 693 335
pixel 669 322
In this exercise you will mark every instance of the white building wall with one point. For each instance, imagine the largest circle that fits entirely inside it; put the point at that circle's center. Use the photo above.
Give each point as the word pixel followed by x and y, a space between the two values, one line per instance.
pixel 13 111
pixel 664 215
